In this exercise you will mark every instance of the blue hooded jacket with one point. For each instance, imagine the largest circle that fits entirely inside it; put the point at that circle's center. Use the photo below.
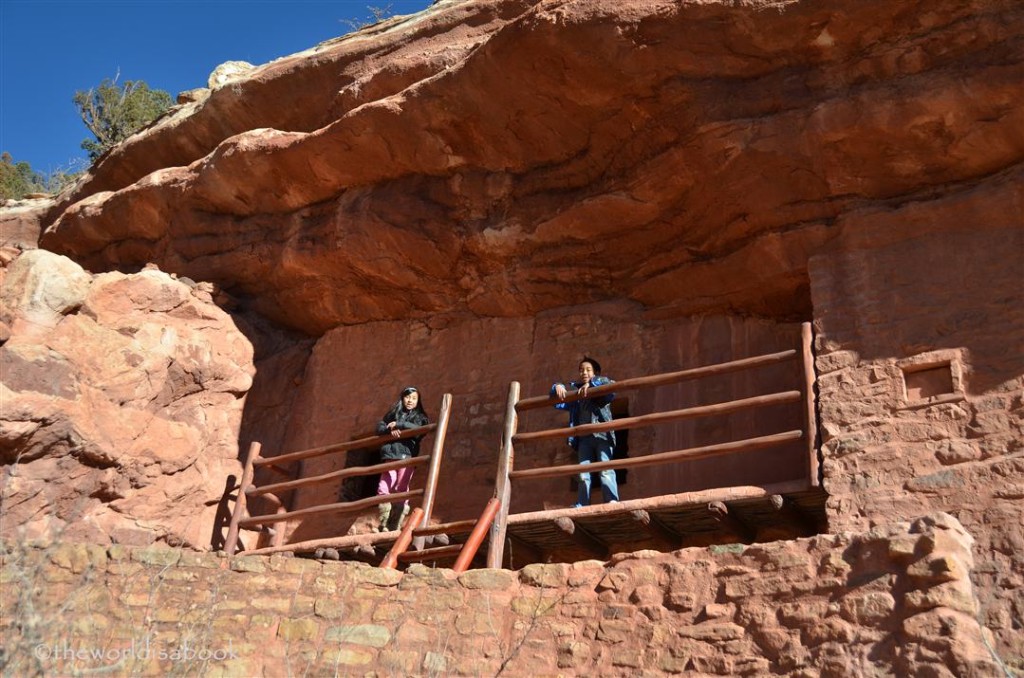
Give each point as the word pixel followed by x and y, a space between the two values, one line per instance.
pixel 589 410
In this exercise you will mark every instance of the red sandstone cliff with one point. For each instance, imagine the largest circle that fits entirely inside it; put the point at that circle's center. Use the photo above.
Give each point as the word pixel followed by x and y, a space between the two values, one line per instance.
pixel 485 190
pixel 503 157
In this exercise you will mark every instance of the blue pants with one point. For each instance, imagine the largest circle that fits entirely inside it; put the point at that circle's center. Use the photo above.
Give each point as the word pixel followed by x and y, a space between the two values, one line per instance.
pixel 591 449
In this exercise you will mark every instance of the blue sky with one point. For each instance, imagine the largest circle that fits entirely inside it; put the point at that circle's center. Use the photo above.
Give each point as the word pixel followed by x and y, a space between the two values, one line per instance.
pixel 51 48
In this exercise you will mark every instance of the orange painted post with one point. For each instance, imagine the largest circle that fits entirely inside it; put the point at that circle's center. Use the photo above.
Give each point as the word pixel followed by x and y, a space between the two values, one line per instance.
pixel 810 408
pixel 477 536
pixel 390 561
pixel 231 542
pixel 503 483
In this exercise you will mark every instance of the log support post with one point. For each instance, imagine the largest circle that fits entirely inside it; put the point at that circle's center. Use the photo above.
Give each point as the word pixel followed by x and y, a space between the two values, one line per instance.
pixel 231 541
pixel 503 482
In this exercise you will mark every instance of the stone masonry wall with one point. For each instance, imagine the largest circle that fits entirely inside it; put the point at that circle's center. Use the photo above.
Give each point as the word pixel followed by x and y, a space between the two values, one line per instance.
pixel 894 601
pixel 920 319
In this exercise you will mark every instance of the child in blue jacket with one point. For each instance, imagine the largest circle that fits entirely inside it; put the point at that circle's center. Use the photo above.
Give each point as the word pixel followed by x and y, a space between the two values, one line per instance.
pixel 596 447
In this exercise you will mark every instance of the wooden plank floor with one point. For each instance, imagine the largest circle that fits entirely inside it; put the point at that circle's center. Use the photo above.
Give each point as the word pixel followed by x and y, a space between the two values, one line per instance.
pixel 666 523
pixel 721 516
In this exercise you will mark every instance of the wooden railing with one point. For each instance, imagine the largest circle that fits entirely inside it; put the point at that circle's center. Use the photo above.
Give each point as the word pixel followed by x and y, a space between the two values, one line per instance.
pixel 272 492
pixel 465 552
pixel 803 398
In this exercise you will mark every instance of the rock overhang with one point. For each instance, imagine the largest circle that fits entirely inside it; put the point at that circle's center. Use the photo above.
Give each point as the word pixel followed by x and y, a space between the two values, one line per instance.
pixel 501 158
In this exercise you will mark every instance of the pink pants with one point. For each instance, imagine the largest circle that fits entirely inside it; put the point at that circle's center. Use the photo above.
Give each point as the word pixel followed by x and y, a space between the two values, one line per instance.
pixel 395 481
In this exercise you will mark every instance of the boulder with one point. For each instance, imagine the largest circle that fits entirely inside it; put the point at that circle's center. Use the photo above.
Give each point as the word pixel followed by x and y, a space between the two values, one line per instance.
pixel 123 397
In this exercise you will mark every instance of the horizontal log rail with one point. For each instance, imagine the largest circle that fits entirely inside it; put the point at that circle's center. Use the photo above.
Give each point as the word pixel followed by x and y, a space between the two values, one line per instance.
pixel 661 417
pixel 374 441
pixel 340 507
pixel 662 457
pixel 355 471
pixel 455 527
pixel 436 553
pixel 635 383
pixel 369 538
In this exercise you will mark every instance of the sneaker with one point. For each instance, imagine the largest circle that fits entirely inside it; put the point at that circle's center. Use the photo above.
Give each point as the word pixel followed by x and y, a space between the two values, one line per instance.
pixel 577 505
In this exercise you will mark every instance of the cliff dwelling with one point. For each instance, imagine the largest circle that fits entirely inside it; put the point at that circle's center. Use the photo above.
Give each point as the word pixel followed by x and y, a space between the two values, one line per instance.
pixel 469 200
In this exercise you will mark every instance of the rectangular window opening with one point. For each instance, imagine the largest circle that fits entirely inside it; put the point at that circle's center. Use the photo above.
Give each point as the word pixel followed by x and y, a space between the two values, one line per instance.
pixel 930 382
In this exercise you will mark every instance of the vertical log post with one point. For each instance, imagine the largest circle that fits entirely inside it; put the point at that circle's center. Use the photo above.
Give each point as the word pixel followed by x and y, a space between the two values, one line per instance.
pixel 231 542
pixel 809 416
pixel 281 528
pixel 472 544
pixel 503 484
pixel 436 453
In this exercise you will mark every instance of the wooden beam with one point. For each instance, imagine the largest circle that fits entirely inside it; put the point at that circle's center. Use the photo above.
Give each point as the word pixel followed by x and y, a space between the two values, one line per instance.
pixel 666 538
pixel 503 481
pixel 437 553
pixel 662 379
pixel 374 441
pixel 728 520
pixel 340 507
pixel 810 408
pixel 430 487
pixel 642 420
pixel 476 537
pixel 346 542
pixel 351 472
pixel 456 527
pixel 662 457
pixel 401 545
pixel 581 537
pixel 231 541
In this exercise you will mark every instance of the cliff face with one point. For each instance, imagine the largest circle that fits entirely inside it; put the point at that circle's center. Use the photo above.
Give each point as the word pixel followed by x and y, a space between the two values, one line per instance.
pixel 502 157
pixel 489 189
pixel 122 398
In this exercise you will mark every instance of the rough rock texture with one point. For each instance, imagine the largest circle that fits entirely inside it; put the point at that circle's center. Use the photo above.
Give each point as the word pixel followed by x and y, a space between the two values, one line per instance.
pixel 121 400
pixel 21 223
pixel 921 378
pixel 508 156
pixel 458 198
pixel 890 602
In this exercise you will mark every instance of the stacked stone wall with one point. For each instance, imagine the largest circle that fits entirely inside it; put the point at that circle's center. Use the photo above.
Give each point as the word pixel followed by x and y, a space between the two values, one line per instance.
pixel 920 318
pixel 894 601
